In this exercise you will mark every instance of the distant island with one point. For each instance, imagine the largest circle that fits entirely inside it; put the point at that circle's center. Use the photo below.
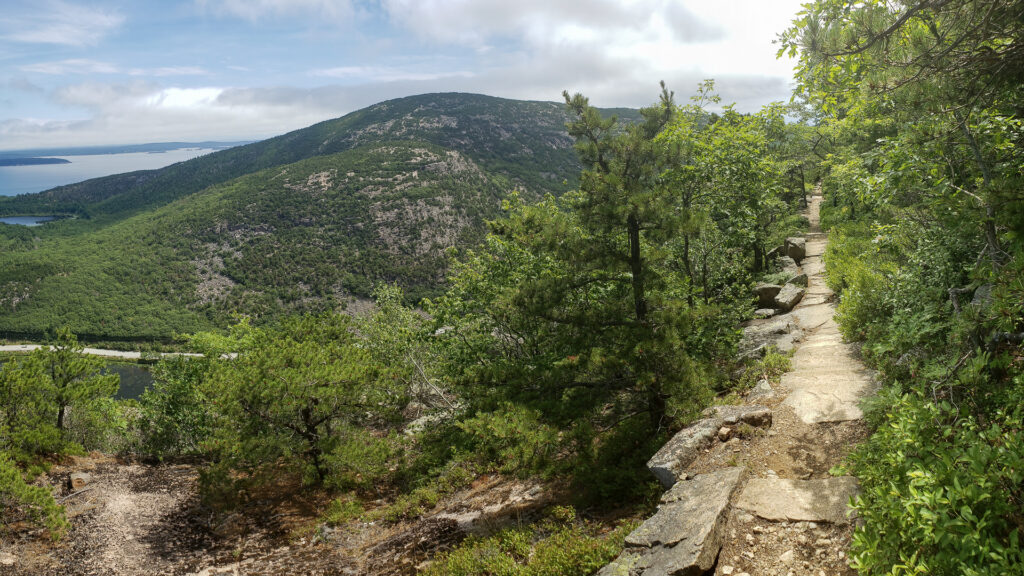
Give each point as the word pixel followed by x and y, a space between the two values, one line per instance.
pixel 32 161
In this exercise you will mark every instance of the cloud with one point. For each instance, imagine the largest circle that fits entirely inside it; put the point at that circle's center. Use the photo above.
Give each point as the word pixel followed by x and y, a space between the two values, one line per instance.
pixel 257 10
pixel 83 66
pixel 71 66
pixel 22 84
pixel 369 74
pixel 478 22
pixel 59 22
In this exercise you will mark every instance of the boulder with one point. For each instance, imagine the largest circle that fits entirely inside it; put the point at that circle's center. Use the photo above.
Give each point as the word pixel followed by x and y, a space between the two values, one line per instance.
pixel 686 534
pixel 796 248
pixel 766 294
pixel 780 332
pixel 788 297
pixel 668 464
pixel 764 312
pixel 747 414
pixel 798 280
pixel 789 266
pixel 79 480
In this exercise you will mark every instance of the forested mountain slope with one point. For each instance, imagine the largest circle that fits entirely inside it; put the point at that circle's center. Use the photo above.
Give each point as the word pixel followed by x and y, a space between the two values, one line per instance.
pixel 292 238
pixel 521 140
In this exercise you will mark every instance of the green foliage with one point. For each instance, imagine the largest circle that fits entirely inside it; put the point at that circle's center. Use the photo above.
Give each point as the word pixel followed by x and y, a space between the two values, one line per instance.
pixel 19 500
pixel 56 400
pixel 293 396
pixel 923 194
pixel 28 427
pixel 941 490
pixel 771 367
pixel 558 546
pixel 512 438
pixel 174 416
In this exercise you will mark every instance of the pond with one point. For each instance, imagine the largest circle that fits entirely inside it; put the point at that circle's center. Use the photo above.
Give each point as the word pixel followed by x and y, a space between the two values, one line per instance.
pixel 135 378
pixel 26 220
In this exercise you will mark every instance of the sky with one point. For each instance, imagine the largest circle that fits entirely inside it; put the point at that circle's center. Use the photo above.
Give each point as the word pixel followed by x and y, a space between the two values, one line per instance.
pixel 84 73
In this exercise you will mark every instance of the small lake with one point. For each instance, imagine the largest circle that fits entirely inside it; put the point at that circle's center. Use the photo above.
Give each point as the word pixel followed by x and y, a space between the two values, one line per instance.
pixel 25 220
pixel 135 379
pixel 27 179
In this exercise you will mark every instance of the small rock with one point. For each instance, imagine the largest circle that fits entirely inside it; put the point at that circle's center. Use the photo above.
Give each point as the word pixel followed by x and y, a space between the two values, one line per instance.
pixel 744 517
pixel 758 530
pixel 822 542
pixel 724 433
pixel 750 538
pixel 764 313
pixel 743 574
pixel 761 391
pixel 7 559
pixel 79 480
pixel 787 557
pixel 727 570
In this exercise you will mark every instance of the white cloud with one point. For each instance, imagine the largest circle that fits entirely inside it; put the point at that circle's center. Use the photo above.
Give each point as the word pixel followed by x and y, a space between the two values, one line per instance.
pixel 59 22
pixel 82 66
pixel 477 22
pixel 368 74
pixel 256 10
pixel 71 66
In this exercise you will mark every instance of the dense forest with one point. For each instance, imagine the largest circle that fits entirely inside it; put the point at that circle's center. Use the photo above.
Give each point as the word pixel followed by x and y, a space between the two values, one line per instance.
pixel 279 226
pixel 917 109
pixel 575 331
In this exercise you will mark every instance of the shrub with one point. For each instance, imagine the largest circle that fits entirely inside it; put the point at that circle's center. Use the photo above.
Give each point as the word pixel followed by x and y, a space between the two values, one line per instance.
pixel 940 491
pixel 559 546
pixel 34 503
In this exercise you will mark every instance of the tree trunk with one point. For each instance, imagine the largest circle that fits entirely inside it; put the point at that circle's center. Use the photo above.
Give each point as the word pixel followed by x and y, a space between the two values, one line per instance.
pixel 988 224
pixel 689 269
pixel 60 417
pixel 636 268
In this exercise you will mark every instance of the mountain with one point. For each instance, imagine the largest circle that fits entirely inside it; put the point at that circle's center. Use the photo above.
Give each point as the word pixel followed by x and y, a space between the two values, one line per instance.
pixel 522 140
pixel 297 223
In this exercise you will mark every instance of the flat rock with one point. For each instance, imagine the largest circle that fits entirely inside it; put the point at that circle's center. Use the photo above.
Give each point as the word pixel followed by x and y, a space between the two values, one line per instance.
pixel 764 312
pixel 809 317
pixel 747 414
pixel 686 533
pixel 821 398
pixel 785 499
pixel 788 297
pixel 766 294
pixel 668 463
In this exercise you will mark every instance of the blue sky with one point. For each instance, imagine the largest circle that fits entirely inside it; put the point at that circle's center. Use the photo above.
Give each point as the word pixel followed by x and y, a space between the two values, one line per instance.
pixel 120 71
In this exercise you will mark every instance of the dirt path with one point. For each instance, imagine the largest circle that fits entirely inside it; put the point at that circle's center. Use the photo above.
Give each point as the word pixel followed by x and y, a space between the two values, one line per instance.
pixel 790 517
pixel 145 520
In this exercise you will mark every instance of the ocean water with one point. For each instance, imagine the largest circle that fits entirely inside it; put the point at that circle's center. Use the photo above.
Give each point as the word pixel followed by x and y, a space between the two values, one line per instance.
pixel 16 180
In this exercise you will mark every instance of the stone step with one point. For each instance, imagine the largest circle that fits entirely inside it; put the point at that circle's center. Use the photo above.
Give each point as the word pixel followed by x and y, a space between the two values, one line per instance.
pixel 783 499
pixel 686 533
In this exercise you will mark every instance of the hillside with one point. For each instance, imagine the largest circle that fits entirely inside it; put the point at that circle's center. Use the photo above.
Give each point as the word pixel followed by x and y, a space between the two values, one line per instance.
pixel 524 141
pixel 299 237
pixel 294 223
